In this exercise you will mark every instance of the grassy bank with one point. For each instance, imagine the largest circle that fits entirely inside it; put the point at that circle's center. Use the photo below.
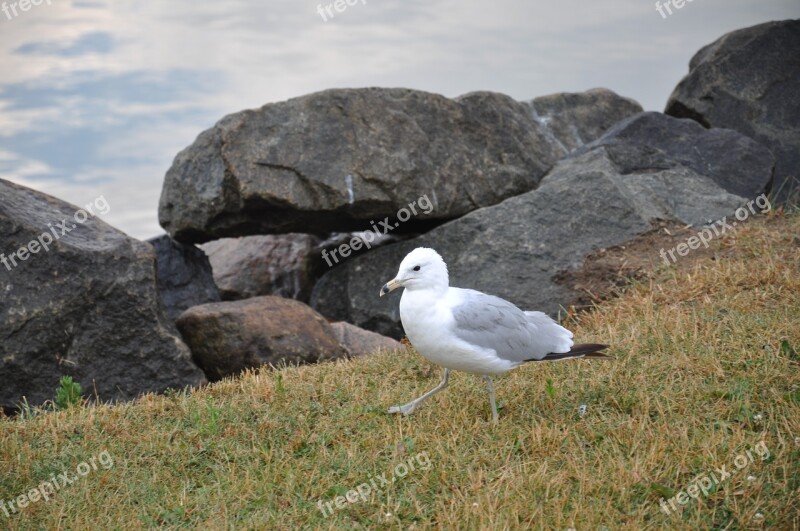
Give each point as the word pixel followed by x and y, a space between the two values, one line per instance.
pixel 705 372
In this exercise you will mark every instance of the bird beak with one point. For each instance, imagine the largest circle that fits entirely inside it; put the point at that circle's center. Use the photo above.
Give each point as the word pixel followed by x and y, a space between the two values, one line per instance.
pixel 391 286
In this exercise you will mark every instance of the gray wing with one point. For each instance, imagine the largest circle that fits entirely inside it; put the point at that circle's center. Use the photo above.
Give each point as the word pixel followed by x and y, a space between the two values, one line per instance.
pixel 494 323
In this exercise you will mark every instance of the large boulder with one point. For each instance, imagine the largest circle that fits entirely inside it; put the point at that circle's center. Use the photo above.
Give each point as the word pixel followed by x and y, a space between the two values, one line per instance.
pixel 184 276
pixel 286 265
pixel 339 159
pixel 334 160
pixel 602 196
pixel 749 80
pixel 83 303
pixel 577 118
pixel 228 337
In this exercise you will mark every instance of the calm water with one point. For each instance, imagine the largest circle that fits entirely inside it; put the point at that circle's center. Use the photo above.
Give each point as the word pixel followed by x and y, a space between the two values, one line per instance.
pixel 97 97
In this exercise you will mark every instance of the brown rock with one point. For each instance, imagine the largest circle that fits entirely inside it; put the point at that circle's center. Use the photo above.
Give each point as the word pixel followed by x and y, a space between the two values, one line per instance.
pixel 360 342
pixel 228 337
pixel 284 265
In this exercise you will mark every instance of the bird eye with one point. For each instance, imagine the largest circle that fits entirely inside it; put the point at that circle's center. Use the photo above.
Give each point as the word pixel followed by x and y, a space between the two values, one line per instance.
pixel 416 268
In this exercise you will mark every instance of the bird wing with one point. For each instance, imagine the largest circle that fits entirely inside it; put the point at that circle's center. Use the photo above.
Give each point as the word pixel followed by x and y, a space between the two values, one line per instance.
pixel 494 323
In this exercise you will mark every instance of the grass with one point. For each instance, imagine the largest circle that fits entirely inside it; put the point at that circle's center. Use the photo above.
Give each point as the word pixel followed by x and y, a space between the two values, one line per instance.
pixel 706 368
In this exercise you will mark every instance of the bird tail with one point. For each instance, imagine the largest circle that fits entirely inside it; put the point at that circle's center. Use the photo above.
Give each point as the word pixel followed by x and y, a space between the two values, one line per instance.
pixel 584 350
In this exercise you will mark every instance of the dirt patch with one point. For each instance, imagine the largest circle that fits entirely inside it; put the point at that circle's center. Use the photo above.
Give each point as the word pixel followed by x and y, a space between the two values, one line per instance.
pixel 607 270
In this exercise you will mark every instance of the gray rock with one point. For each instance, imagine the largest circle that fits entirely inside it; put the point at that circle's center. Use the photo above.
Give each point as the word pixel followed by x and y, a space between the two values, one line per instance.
pixel 749 80
pixel 601 197
pixel 184 276
pixel 360 342
pixel 335 160
pixel 87 306
pixel 653 140
pixel 285 265
pixel 577 118
pixel 228 337
pixel 338 159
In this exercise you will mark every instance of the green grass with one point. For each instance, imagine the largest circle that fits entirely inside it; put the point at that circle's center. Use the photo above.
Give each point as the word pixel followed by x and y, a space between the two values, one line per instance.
pixel 706 368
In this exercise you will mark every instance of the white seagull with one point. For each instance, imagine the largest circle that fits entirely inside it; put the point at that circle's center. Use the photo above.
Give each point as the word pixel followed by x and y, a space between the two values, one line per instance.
pixel 470 331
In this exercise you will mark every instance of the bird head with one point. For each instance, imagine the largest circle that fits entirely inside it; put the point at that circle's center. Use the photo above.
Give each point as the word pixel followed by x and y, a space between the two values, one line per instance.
pixel 422 268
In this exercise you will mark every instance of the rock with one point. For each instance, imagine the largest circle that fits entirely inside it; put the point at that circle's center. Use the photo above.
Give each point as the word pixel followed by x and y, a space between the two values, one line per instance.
pixel 184 276
pixel 602 196
pixel 749 80
pixel 577 118
pixel 334 160
pixel 228 337
pixel 85 305
pixel 360 342
pixel 651 140
pixel 284 265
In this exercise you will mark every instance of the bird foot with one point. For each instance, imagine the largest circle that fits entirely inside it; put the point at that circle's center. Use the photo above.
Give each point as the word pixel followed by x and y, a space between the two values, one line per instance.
pixel 403 410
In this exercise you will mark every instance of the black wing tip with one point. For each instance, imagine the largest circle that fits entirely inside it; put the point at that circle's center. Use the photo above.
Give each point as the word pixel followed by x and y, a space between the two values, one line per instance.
pixel 588 346
pixel 591 351
pixel 583 350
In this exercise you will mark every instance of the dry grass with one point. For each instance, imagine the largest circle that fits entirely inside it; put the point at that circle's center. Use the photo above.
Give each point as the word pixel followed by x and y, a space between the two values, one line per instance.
pixel 700 377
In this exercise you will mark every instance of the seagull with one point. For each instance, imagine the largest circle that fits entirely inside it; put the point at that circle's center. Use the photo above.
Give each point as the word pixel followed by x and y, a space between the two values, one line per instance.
pixel 470 331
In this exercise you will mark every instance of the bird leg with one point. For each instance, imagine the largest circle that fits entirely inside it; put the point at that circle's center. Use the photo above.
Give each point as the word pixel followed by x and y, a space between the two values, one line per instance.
pixel 406 409
pixel 490 385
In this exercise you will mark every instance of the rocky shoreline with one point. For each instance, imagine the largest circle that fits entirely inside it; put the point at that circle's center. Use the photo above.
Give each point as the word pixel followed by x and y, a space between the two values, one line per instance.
pixel 522 194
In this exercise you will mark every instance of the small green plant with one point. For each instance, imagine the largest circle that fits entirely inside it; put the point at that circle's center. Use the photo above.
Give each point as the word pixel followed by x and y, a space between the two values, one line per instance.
pixel 279 388
pixel 207 420
pixel 549 388
pixel 68 393
pixel 26 411
pixel 788 351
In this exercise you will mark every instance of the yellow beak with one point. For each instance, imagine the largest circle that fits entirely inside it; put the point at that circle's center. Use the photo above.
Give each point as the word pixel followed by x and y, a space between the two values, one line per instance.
pixel 390 286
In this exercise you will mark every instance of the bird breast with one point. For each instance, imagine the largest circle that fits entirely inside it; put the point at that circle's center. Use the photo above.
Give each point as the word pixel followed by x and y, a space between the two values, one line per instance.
pixel 429 324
